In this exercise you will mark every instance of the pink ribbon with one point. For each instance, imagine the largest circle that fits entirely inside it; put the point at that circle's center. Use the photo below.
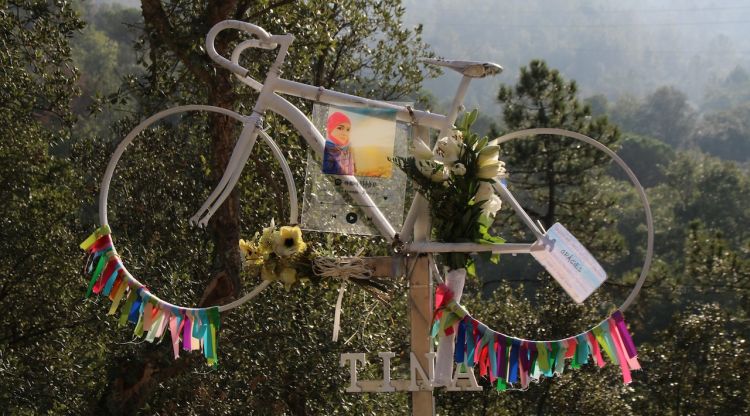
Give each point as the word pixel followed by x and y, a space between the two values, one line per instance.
pixel 624 366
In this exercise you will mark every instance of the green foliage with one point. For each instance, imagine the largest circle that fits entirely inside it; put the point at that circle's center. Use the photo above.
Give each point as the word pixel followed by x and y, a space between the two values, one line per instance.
pixel 647 157
pixel 713 191
pixel 726 134
pixel 710 346
pixel 39 211
pixel 558 176
pixel 666 115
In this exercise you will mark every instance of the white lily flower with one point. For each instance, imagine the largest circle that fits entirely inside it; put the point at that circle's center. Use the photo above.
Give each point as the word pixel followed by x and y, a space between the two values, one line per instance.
pixel 457 136
pixel 489 170
pixel 448 149
pixel 436 171
pixel 421 150
pixel 426 167
pixel 441 175
pixel 492 142
pixel 492 205
pixel 501 172
pixel 459 169
pixel 488 154
pixel 484 192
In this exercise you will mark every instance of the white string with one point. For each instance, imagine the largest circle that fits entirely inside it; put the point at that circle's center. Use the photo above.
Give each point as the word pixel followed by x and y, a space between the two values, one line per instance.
pixel 344 269
pixel 435 271
pixel 337 312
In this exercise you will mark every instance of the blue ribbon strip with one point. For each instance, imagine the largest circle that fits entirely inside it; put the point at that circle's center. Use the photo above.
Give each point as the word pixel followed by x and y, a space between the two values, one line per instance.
pixel 459 352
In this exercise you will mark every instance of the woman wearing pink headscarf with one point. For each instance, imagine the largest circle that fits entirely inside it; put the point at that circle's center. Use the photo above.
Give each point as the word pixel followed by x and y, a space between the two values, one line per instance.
pixel 337 156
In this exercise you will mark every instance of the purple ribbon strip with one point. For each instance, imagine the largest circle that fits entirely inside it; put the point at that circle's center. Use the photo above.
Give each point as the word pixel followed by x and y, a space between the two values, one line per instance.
pixel 624 334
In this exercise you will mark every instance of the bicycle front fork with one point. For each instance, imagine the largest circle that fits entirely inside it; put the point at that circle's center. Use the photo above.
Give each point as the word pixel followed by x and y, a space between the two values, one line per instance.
pixel 239 158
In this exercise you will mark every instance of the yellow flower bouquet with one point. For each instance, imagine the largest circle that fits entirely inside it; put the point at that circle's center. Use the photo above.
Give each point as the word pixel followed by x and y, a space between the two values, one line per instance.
pixel 278 254
pixel 281 254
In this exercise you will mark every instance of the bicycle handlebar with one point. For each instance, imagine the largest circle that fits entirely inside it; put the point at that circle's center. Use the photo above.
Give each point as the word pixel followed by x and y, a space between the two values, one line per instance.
pixel 247 79
pixel 264 41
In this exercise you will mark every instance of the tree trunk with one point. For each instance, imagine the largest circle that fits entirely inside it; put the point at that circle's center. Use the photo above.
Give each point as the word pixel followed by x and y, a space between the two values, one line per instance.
pixel 225 223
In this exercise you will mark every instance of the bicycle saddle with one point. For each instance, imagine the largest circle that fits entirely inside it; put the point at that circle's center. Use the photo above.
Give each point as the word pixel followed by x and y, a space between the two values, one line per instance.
pixel 471 69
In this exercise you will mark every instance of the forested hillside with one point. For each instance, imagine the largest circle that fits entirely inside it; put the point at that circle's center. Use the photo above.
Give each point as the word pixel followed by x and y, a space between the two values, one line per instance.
pixel 76 78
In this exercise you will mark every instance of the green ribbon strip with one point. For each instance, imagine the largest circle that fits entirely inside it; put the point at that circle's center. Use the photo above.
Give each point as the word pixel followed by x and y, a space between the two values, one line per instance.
pixel 602 338
pixel 103 260
pixel 553 358
pixel 542 357
pixel 139 326
pixel 138 331
pixel 501 386
pixel 560 357
pixel 126 309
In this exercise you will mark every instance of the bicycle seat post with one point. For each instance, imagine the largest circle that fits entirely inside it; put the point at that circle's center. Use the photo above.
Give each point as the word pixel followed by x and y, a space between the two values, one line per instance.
pixel 468 70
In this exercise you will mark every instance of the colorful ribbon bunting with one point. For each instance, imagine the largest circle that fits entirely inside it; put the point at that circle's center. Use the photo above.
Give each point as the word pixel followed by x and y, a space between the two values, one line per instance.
pixel 194 328
pixel 506 360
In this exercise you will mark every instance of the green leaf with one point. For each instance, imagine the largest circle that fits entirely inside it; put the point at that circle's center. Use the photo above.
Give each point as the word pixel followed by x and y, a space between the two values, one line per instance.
pixel 481 144
pixel 471 268
pixel 471 118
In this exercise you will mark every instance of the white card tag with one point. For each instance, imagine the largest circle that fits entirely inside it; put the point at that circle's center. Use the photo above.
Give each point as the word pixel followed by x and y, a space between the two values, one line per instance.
pixel 568 261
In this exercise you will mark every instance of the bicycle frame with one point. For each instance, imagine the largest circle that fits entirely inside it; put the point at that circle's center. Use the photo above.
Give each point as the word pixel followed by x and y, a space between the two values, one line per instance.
pixel 270 100
pixel 418 216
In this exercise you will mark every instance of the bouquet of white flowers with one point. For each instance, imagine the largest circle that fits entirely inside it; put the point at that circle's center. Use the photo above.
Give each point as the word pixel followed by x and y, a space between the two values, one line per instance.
pixel 458 179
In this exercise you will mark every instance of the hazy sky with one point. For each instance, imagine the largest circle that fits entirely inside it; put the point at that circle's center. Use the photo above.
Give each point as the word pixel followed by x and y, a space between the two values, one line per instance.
pixel 608 46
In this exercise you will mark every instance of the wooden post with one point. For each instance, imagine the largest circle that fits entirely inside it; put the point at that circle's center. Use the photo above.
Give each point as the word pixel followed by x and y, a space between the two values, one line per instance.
pixel 420 314
pixel 420 296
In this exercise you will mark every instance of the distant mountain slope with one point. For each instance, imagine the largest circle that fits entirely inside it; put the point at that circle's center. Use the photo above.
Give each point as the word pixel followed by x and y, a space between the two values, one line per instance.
pixel 609 47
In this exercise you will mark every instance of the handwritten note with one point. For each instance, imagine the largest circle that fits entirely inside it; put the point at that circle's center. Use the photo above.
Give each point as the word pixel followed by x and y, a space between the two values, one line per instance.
pixel 568 261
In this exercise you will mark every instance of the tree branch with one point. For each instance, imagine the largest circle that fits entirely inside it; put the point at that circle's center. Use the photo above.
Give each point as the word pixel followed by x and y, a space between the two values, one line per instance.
pixel 155 17
pixel 270 7
pixel 218 10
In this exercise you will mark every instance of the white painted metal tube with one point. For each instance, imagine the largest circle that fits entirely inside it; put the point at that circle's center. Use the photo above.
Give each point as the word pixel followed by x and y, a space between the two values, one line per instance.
pixel 262 35
pixel 326 96
pixel 437 247
pixel 239 157
pixel 309 92
pixel 245 79
pixel 456 105
pixel 508 197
